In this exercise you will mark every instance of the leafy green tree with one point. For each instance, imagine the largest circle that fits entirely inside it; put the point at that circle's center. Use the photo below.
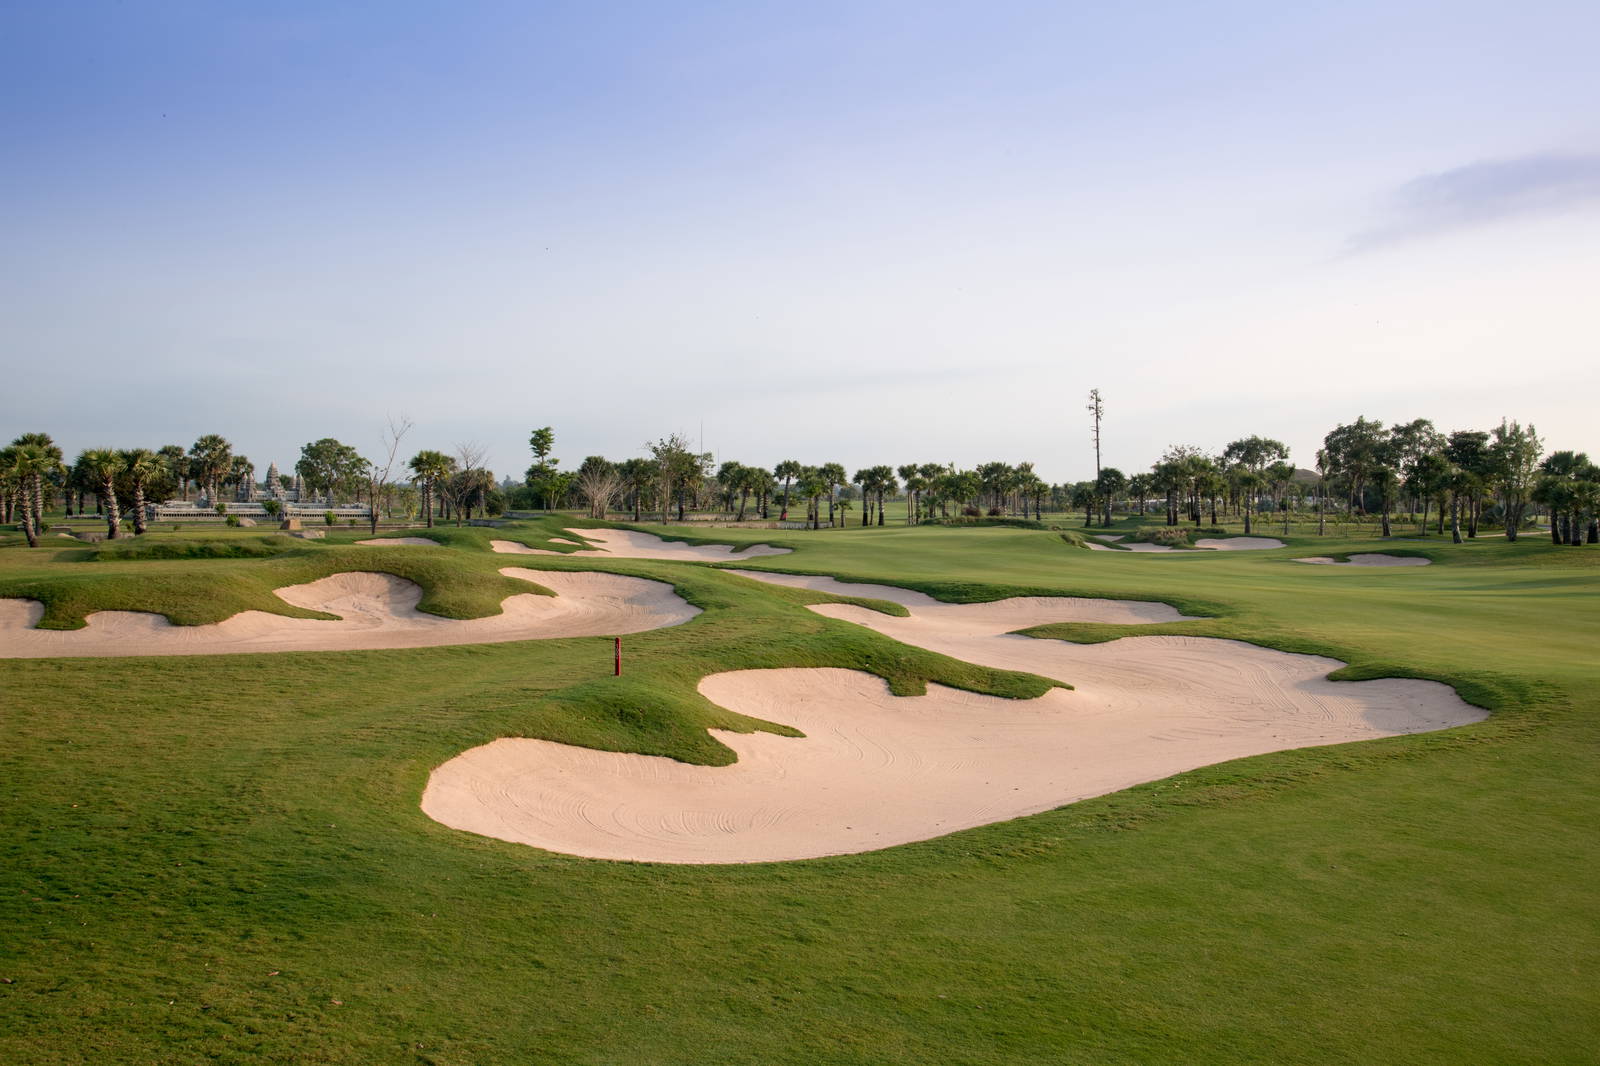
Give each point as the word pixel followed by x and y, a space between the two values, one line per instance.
pixel 677 466
pixel 1468 452
pixel 1514 454
pixel 541 476
pixel 210 459
pixel 1254 454
pixel 327 465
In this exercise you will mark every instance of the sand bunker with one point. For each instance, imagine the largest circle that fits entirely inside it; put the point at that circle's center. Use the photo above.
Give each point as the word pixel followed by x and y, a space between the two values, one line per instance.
pixel 1222 544
pixel 409 542
pixel 375 611
pixel 629 544
pixel 1368 559
pixel 875 770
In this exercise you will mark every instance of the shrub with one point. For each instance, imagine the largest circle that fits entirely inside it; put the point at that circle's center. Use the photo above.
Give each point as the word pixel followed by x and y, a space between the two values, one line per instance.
pixel 233 520
pixel 971 511
pixel 994 512
pixel 1168 536
pixel 328 518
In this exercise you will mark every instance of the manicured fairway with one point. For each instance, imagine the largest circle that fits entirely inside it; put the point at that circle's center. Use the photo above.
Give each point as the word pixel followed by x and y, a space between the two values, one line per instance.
pixel 222 858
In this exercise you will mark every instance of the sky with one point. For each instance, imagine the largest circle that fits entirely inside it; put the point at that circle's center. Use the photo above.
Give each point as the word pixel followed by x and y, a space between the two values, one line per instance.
pixel 856 232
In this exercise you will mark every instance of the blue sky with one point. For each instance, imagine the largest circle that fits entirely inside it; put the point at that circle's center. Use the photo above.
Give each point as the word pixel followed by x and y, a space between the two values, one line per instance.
pixel 855 232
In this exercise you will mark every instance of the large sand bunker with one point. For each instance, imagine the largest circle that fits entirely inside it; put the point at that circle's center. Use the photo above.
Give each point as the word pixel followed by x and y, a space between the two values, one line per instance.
pixel 875 770
pixel 399 542
pixel 375 611
pixel 1368 559
pixel 631 544
pixel 1217 544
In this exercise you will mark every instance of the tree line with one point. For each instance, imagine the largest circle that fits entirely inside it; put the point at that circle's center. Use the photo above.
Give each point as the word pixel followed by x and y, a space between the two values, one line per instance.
pixel 1364 468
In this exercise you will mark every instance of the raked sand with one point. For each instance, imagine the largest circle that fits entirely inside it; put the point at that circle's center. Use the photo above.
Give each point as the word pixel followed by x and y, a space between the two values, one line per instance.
pixel 631 544
pixel 876 770
pixel 375 611
pixel 400 542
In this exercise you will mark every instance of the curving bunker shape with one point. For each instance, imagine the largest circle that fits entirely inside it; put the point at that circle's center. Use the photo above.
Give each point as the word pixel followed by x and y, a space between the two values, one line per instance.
pixel 399 542
pixel 1368 559
pixel 876 770
pixel 375 611
pixel 631 544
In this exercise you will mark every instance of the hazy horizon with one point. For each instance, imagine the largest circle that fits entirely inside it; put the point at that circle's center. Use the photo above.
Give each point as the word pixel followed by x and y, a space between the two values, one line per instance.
pixel 877 233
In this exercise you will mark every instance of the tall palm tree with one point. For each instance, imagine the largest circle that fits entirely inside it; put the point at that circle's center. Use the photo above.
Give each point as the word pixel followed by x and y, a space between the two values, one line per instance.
pixel 428 468
pixel 19 465
pixel 242 476
pixel 101 467
pixel 909 474
pixel 45 462
pixel 788 470
pixel 142 466
pixel 833 476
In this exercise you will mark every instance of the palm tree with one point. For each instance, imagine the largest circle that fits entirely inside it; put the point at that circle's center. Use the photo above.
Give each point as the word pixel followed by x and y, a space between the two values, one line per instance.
pixel 428 468
pixel 21 465
pixel 911 473
pixel 141 465
pixel 46 461
pixel 101 467
pixel 879 481
pixel 242 476
pixel 833 476
pixel 788 470
pixel 812 485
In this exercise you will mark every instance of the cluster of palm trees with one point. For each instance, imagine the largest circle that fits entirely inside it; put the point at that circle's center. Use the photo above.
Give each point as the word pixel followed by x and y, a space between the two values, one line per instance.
pixel 452 486
pixel 34 472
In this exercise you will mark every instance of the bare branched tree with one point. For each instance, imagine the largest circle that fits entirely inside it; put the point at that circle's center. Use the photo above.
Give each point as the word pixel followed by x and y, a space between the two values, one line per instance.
pixel 377 476
pixel 599 485
pixel 466 483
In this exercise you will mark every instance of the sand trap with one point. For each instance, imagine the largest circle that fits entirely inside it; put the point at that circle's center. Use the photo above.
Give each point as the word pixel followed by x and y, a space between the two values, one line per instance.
pixel 1112 537
pixel 409 542
pixel 1368 559
pixel 375 611
pixel 629 544
pixel 875 770
pixel 564 540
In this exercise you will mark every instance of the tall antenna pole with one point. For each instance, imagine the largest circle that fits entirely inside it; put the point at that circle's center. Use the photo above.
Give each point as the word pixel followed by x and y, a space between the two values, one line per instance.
pixel 1096 408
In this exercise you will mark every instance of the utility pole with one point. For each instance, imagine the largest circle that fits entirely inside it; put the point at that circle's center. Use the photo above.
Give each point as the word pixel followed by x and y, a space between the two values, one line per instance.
pixel 1096 408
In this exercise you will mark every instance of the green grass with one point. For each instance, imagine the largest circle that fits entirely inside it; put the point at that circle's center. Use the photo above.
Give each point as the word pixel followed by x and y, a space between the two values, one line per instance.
pixel 221 859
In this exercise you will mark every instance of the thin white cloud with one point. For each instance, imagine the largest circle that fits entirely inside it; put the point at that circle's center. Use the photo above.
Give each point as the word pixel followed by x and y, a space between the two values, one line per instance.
pixel 1485 192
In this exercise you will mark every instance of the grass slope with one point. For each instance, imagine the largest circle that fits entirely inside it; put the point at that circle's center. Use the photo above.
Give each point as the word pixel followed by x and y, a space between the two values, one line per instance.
pixel 221 859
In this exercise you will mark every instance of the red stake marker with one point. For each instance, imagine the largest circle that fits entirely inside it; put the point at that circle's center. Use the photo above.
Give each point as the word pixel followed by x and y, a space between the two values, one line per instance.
pixel 619 657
